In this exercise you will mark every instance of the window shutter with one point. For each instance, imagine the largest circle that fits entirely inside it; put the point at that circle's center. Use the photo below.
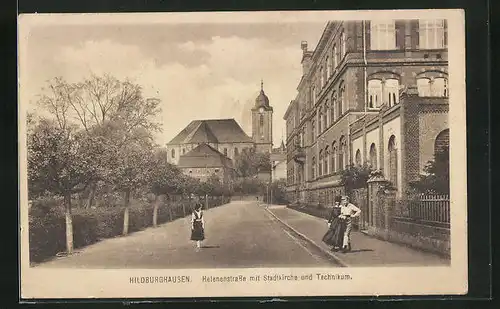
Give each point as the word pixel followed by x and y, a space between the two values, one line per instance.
pixel 445 33
pixel 415 34
pixel 367 34
pixel 400 35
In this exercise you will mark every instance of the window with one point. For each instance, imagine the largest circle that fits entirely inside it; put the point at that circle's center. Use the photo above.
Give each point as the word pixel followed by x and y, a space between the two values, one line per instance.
pixel 313 95
pixel 343 40
pixel 183 150
pixel 424 87
pixel 173 153
pixel 328 67
pixel 333 156
pixel 320 163
pixel 341 107
pixel 313 168
pixel 391 91
pixel 393 161
pixel 190 171
pixel 261 125
pixel 321 78
pixel 382 35
pixel 442 142
pixel 216 170
pixel 374 93
pixel 342 153
pixel 236 152
pixel 439 87
pixel 373 156
pixel 333 107
pixel 335 60
pixel 320 120
pixel 313 131
pixel 431 33
pixel 326 115
pixel 325 160
pixel 225 152
pixel 358 158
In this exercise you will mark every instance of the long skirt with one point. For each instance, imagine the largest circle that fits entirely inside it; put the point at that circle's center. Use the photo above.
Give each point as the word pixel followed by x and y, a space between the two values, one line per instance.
pixel 197 232
pixel 335 234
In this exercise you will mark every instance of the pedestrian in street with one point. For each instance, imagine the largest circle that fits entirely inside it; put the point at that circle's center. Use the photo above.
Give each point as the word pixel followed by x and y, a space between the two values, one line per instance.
pixel 197 225
pixel 348 211
pixel 334 237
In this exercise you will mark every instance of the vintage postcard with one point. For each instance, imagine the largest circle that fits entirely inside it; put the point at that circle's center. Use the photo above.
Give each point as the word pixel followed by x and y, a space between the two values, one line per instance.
pixel 237 154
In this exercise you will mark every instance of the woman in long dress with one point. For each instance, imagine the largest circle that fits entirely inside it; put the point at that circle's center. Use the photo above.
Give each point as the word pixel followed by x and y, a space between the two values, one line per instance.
pixel 336 227
pixel 197 225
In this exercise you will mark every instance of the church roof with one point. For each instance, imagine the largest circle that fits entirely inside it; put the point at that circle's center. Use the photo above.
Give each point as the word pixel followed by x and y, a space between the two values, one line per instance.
pixel 212 131
pixel 204 156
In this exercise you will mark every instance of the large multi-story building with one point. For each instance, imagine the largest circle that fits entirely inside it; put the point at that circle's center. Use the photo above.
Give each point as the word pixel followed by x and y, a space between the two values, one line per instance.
pixel 371 91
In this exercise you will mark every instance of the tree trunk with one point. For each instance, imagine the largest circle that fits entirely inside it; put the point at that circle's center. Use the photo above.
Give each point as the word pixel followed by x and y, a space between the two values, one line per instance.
pixel 155 210
pixel 126 212
pixel 90 202
pixel 69 223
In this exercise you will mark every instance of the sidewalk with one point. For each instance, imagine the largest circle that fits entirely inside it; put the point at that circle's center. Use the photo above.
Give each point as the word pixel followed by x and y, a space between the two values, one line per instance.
pixel 366 251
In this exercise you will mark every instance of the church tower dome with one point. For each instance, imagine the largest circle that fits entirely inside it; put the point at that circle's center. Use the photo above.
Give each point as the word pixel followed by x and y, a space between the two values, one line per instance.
pixel 262 100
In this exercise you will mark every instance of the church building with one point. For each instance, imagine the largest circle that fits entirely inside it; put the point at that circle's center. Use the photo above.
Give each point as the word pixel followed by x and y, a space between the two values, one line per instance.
pixel 222 136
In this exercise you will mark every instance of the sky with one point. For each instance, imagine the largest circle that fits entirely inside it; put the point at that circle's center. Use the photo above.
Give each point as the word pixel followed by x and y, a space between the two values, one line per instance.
pixel 197 70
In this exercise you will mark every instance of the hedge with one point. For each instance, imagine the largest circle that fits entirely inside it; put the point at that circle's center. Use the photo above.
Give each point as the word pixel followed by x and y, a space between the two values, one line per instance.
pixel 47 234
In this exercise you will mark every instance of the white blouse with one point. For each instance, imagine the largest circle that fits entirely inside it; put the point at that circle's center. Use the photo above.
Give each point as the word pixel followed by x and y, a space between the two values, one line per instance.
pixel 350 210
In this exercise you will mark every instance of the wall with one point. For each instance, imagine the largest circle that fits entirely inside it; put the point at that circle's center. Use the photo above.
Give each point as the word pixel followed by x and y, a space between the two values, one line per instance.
pixel 431 124
pixel 373 136
pixel 358 144
pixel 390 128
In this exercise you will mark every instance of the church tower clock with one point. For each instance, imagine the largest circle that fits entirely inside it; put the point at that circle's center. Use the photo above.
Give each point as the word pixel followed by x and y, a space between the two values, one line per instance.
pixel 262 122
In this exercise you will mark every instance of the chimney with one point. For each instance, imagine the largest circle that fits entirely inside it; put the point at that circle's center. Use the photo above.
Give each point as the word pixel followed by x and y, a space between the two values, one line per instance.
pixel 303 45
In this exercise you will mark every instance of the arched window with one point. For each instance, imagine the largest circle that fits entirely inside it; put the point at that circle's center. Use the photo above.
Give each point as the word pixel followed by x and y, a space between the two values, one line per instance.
pixel 313 168
pixel 373 156
pixel 236 151
pixel 313 95
pixel 439 87
pixel 333 107
pixel 424 87
pixel 340 103
pixel 374 93
pixel 393 161
pixel 442 142
pixel 325 116
pixel 173 153
pixel 225 152
pixel 325 160
pixel 382 35
pixel 183 150
pixel 358 158
pixel 335 57
pixel 343 40
pixel 328 67
pixel 333 156
pixel 313 131
pixel 320 120
pixel 342 153
pixel 391 91
pixel 320 163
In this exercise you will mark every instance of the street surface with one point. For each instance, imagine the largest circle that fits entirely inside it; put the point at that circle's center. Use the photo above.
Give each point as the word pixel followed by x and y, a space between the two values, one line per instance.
pixel 238 234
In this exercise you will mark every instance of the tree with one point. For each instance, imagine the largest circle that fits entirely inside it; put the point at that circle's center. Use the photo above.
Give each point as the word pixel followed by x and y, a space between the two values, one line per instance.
pixel 61 160
pixel 249 162
pixel 132 170
pixel 103 106
pixel 436 179
pixel 355 176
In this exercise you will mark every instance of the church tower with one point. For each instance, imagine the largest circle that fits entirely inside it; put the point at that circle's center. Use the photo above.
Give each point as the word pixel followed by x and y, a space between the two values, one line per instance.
pixel 262 122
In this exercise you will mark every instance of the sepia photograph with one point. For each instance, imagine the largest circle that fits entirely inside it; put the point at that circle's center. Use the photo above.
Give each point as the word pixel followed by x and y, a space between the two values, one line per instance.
pixel 311 153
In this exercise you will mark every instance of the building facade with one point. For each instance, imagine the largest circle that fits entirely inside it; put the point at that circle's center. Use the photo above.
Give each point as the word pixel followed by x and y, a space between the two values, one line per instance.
pixel 278 163
pixel 204 161
pixel 364 91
